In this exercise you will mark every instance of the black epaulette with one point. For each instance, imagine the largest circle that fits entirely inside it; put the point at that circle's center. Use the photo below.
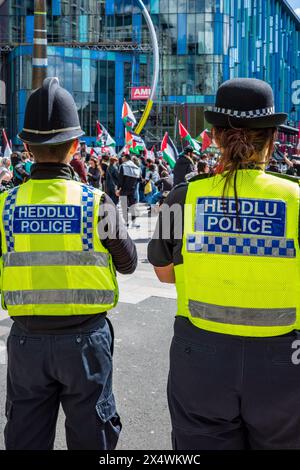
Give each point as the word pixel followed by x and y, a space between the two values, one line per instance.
pixel 294 179
pixel 180 185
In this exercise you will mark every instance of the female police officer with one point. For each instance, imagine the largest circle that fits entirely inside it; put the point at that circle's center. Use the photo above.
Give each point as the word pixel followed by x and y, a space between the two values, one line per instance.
pixel 232 381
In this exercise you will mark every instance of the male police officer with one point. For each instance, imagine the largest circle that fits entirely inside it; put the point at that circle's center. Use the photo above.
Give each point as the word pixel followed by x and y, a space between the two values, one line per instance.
pixel 61 242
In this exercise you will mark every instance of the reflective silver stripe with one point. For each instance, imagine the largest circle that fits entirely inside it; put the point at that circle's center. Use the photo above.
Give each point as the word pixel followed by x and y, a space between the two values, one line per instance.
pixel 55 258
pixel 68 296
pixel 243 316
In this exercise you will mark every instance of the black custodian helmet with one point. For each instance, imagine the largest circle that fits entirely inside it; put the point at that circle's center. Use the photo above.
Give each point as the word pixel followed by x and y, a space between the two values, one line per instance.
pixel 51 116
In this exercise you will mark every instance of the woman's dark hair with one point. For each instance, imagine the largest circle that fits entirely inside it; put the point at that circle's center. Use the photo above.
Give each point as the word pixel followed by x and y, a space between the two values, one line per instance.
pixel 201 166
pixel 96 161
pixel 152 167
pixel 242 149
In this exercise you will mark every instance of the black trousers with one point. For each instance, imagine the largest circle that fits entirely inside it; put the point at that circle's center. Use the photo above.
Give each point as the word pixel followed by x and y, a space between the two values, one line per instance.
pixel 233 393
pixel 75 371
pixel 128 207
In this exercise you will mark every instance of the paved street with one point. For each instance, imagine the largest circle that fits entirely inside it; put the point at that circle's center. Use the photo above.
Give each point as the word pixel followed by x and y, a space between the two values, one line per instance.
pixel 143 327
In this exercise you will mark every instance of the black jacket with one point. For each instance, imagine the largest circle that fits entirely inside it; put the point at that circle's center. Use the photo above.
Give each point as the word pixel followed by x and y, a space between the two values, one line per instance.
pixel 94 177
pixel 164 184
pixel 183 167
pixel 112 179
pixel 129 176
pixel 118 243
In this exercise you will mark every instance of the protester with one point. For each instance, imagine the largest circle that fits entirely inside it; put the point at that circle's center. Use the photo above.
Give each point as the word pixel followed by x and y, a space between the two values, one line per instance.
pixel 273 167
pixel 137 161
pixel 84 155
pixel 19 171
pixel 184 165
pixel 112 177
pixel 296 167
pixel 94 173
pixel 104 167
pixel 6 175
pixel 202 168
pixel 79 167
pixel 5 171
pixel 29 160
pixel 164 186
pixel 152 172
pixel 161 166
pixel 129 176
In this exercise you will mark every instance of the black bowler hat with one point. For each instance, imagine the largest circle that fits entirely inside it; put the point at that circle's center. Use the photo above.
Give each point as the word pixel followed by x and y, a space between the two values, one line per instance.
pixel 51 116
pixel 245 103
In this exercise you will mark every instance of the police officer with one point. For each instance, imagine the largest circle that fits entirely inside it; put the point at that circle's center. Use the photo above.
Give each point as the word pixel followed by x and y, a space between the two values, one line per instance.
pixel 233 381
pixel 61 243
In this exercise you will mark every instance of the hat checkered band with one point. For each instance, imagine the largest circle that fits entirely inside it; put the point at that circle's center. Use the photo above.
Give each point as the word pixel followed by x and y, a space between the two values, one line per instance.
pixel 245 114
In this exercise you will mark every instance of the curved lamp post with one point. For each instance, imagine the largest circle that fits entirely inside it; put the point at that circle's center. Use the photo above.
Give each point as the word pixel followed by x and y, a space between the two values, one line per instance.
pixel 154 83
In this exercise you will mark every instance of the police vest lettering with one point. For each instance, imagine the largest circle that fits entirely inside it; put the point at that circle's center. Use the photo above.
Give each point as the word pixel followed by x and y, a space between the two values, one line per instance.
pixel 58 219
pixel 256 216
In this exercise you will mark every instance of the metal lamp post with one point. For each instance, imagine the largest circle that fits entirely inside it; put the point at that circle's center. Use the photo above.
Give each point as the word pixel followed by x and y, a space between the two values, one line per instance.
pixel 39 57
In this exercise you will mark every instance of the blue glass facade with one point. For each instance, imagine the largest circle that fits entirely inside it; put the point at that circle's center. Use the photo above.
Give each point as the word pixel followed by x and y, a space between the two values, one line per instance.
pixel 202 43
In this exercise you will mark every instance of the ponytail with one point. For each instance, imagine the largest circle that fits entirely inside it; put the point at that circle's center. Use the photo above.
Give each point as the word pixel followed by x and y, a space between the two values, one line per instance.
pixel 242 149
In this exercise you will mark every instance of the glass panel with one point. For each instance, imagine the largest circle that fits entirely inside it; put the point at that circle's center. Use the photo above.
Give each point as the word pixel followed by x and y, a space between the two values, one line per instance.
pixel 182 7
pixel 77 82
pixel 191 34
pixel 172 6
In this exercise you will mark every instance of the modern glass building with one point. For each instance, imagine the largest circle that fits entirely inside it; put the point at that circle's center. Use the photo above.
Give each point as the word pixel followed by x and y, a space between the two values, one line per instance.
pixel 100 50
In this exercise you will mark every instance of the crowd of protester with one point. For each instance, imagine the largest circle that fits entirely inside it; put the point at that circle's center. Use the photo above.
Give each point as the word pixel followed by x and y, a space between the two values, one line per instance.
pixel 140 178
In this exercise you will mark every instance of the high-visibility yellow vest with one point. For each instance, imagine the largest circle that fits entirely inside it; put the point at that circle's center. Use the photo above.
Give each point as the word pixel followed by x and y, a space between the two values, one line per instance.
pixel 241 278
pixel 53 262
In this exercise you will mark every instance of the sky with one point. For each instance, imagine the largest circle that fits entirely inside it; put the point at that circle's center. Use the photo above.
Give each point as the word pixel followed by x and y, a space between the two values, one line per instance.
pixel 296 5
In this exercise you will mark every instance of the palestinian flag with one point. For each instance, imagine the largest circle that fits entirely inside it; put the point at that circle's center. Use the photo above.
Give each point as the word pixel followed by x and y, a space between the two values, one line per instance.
pixel 187 138
pixel 169 150
pixel 93 153
pixel 205 139
pixel 104 139
pixel 128 116
pixel 135 142
pixel 7 148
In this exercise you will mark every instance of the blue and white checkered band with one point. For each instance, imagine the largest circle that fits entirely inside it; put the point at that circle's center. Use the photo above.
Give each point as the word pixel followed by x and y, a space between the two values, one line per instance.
pixel 9 207
pixel 256 113
pixel 245 246
pixel 87 201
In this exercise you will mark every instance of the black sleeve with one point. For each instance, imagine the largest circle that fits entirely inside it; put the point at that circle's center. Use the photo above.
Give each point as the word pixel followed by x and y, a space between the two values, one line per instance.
pixel 95 176
pixel 121 177
pixel 166 244
pixel 115 238
pixel 115 175
pixel 158 184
